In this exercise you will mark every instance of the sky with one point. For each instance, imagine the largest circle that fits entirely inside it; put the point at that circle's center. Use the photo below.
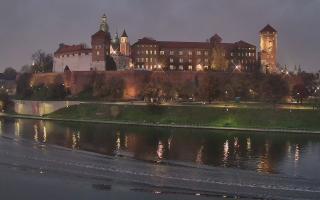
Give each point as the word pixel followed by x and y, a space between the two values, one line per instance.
pixel 29 25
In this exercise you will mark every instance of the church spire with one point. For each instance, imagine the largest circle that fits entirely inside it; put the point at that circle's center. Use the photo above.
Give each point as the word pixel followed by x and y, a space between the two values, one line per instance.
pixel 104 24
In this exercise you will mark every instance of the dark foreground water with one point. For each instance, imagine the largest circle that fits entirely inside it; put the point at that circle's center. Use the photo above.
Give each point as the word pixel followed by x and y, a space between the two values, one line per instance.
pixel 291 155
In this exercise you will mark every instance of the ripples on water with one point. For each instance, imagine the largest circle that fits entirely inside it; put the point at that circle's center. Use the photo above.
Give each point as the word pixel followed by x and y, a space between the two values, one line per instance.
pixel 287 154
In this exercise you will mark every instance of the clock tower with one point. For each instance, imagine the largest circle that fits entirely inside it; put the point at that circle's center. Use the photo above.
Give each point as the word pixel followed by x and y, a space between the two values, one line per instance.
pixel 268 48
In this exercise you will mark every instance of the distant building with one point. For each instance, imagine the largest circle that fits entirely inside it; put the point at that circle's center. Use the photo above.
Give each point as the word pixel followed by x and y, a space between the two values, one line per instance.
pixel 269 48
pixel 82 58
pixel 150 54
pixel 72 57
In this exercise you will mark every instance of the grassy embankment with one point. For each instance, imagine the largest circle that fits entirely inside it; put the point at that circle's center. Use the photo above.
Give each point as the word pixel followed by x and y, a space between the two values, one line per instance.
pixel 265 118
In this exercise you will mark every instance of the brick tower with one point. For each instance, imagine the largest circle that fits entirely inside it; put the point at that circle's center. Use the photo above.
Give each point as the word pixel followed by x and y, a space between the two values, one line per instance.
pixel 124 44
pixel 100 42
pixel 268 48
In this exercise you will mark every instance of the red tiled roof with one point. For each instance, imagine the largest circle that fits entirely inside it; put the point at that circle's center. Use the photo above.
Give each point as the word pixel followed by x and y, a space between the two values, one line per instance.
pixel 268 28
pixel 244 44
pixel 184 45
pixel 101 34
pixel 80 48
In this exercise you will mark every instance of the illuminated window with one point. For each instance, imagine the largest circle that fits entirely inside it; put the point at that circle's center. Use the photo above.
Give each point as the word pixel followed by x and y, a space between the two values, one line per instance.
pixel 155 52
pixel 199 53
pixel 171 67
pixel 171 60
pixel 151 59
pixel 181 67
pixel 206 60
pixel 98 53
pixel 180 53
pixel 190 60
pixel 206 53
pixel 161 52
pixel 171 53
pixel 190 53
pixel 181 60
pixel 190 67
pixel 147 52
pixel 147 60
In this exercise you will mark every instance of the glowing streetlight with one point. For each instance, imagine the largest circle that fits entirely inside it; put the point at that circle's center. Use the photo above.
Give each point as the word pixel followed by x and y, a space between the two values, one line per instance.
pixel 199 67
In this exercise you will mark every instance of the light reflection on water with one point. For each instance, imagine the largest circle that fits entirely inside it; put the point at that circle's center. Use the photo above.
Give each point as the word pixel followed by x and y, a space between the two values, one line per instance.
pixel 291 155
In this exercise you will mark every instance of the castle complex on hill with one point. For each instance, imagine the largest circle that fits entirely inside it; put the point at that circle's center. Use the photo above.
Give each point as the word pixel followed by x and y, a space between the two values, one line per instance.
pixel 150 54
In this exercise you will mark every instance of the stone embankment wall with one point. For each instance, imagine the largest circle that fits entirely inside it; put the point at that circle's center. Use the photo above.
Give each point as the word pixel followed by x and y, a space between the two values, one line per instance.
pixel 40 108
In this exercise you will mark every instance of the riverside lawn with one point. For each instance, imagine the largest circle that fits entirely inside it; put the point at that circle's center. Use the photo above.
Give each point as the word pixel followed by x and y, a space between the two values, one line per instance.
pixel 235 117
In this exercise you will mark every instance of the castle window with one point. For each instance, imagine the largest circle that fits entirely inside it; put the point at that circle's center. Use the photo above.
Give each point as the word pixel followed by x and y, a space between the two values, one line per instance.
pixel 98 53
pixel 231 54
pixel 181 67
pixel 198 53
pixel 199 60
pixel 171 60
pixel 181 60
pixel 171 53
pixel 206 53
pixel 171 67
pixel 190 60
pixel 142 59
pixel 190 53
pixel 151 59
pixel 147 60
pixel 147 52
pixel 206 60
pixel 161 52
pixel 180 53
pixel 155 52
pixel 190 67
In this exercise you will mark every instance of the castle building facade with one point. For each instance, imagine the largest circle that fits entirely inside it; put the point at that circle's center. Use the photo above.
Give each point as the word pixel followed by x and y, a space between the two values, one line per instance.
pixel 150 54
pixel 103 49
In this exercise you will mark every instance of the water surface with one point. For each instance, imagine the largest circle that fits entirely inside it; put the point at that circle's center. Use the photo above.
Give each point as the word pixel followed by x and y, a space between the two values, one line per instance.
pixel 293 155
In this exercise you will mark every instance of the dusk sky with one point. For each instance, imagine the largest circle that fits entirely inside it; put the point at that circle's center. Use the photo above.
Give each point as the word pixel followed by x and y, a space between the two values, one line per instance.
pixel 28 25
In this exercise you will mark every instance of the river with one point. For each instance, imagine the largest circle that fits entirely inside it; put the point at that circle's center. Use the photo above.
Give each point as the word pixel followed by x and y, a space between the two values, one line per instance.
pixel 290 155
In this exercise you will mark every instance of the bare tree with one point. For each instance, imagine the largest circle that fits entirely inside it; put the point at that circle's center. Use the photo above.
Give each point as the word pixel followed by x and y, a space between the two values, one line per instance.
pixel 42 62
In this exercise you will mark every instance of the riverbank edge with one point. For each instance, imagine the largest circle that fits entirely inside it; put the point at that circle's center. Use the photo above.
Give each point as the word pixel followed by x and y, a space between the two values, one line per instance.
pixel 261 130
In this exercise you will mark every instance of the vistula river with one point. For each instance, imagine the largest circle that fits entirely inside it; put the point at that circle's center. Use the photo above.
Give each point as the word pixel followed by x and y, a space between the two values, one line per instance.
pixel 289 155
pixel 66 160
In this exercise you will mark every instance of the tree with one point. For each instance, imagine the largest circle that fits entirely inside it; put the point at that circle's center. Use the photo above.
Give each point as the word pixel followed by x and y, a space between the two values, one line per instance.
pixel 26 69
pixel 274 88
pixel 300 92
pixel 10 73
pixel 5 102
pixel 24 89
pixel 220 63
pixel 110 64
pixel 209 89
pixel 42 62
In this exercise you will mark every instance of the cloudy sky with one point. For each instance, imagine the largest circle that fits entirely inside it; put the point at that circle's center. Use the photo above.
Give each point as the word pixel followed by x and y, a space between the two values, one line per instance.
pixel 28 25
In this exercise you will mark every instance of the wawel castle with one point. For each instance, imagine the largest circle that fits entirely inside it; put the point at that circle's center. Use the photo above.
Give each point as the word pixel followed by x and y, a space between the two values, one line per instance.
pixel 150 54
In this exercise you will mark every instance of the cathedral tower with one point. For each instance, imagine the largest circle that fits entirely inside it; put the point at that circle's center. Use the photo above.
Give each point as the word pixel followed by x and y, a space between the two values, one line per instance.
pixel 124 44
pixel 100 42
pixel 268 48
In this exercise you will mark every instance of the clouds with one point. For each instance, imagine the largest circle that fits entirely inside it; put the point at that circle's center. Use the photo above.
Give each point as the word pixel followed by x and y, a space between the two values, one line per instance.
pixel 34 24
